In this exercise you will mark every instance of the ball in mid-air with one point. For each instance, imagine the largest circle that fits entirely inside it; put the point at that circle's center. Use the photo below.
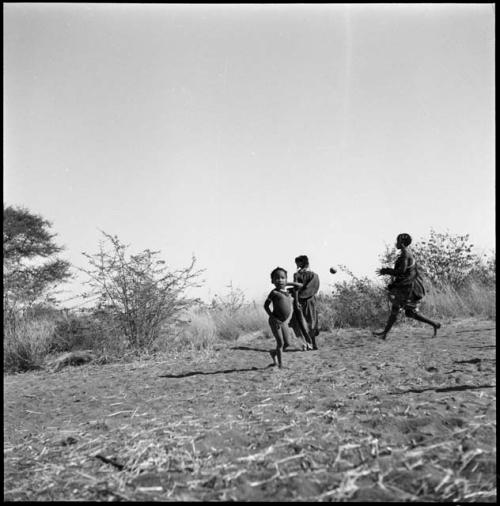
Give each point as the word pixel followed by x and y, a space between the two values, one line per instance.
pixel 332 270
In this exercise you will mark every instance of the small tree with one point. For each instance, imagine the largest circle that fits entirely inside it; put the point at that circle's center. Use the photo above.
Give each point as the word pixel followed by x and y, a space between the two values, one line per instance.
pixel 138 291
pixel 31 269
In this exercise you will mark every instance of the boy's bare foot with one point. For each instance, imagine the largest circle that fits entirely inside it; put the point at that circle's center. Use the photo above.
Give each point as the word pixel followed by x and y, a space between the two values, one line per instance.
pixel 436 327
pixel 381 335
pixel 273 356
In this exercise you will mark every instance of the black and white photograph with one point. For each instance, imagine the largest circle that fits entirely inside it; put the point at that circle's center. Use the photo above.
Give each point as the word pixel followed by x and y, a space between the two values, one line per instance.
pixel 249 252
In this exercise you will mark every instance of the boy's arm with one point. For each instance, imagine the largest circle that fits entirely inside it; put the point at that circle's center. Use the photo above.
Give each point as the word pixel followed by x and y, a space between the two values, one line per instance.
pixel 386 270
pixel 310 287
pixel 295 292
pixel 400 266
pixel 267 303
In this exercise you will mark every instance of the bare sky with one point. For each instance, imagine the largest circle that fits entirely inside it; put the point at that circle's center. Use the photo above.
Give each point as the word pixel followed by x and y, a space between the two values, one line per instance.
pixel 250 134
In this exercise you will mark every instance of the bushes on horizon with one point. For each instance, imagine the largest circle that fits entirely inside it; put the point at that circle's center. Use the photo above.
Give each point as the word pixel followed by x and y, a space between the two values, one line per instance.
pixel 142 307
pixel 448 259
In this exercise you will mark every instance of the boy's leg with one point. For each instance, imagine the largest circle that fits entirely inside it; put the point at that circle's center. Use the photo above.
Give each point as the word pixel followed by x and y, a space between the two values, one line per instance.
pixel 304 329
pixel 278 335
pixel 310 312
pixel 285 333
pixel 313 340
pixel 286 336
pixel 279 345
pixel 412 313
pixel 390 322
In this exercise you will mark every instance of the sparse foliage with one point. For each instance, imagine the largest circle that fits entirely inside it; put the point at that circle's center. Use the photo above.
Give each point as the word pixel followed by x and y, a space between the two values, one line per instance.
pixel 139 292
pixel 31 269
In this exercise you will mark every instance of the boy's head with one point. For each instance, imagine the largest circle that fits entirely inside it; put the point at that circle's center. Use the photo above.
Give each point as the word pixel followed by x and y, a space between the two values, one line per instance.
pixel 403 240
pixel 278 277
pixel 302 261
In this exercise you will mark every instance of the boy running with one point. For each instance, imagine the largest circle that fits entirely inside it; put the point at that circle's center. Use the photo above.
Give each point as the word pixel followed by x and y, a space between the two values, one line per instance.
pixel 407 289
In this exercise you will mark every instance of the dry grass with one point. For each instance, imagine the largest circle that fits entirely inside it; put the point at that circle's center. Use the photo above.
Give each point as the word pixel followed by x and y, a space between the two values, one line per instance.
pixel 230 324
pixel 472 300
pixel 197 333
pixel 26 343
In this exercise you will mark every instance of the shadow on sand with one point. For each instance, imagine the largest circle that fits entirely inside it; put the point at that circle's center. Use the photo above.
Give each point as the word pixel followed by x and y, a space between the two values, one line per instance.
pixel 249 348
pixel 225 371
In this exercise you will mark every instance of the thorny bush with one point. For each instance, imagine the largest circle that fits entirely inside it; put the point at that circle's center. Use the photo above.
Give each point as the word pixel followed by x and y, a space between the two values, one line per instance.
pixel 139 292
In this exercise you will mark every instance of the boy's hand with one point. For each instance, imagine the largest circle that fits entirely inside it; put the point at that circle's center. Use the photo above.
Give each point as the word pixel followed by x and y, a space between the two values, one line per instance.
pixel 276 320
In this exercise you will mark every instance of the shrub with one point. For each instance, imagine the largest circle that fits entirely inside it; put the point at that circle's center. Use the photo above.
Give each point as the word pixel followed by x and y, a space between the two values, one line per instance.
pixel 357 302
pixel 483 273
pixel 138 292
pixel 88 329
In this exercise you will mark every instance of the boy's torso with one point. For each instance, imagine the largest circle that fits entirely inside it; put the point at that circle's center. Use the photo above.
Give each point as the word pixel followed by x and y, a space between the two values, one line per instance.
pixel 282 304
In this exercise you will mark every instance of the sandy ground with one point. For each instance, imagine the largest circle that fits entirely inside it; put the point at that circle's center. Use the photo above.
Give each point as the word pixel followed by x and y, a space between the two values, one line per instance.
pixel 410 418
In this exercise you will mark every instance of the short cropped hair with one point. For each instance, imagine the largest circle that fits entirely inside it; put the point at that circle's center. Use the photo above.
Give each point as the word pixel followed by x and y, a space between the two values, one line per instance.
pixel 302 259
pixel 405 239
pixel 275 271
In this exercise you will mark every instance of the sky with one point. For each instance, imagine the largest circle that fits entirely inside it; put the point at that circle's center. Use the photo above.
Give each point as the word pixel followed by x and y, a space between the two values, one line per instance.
pixel 249 134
